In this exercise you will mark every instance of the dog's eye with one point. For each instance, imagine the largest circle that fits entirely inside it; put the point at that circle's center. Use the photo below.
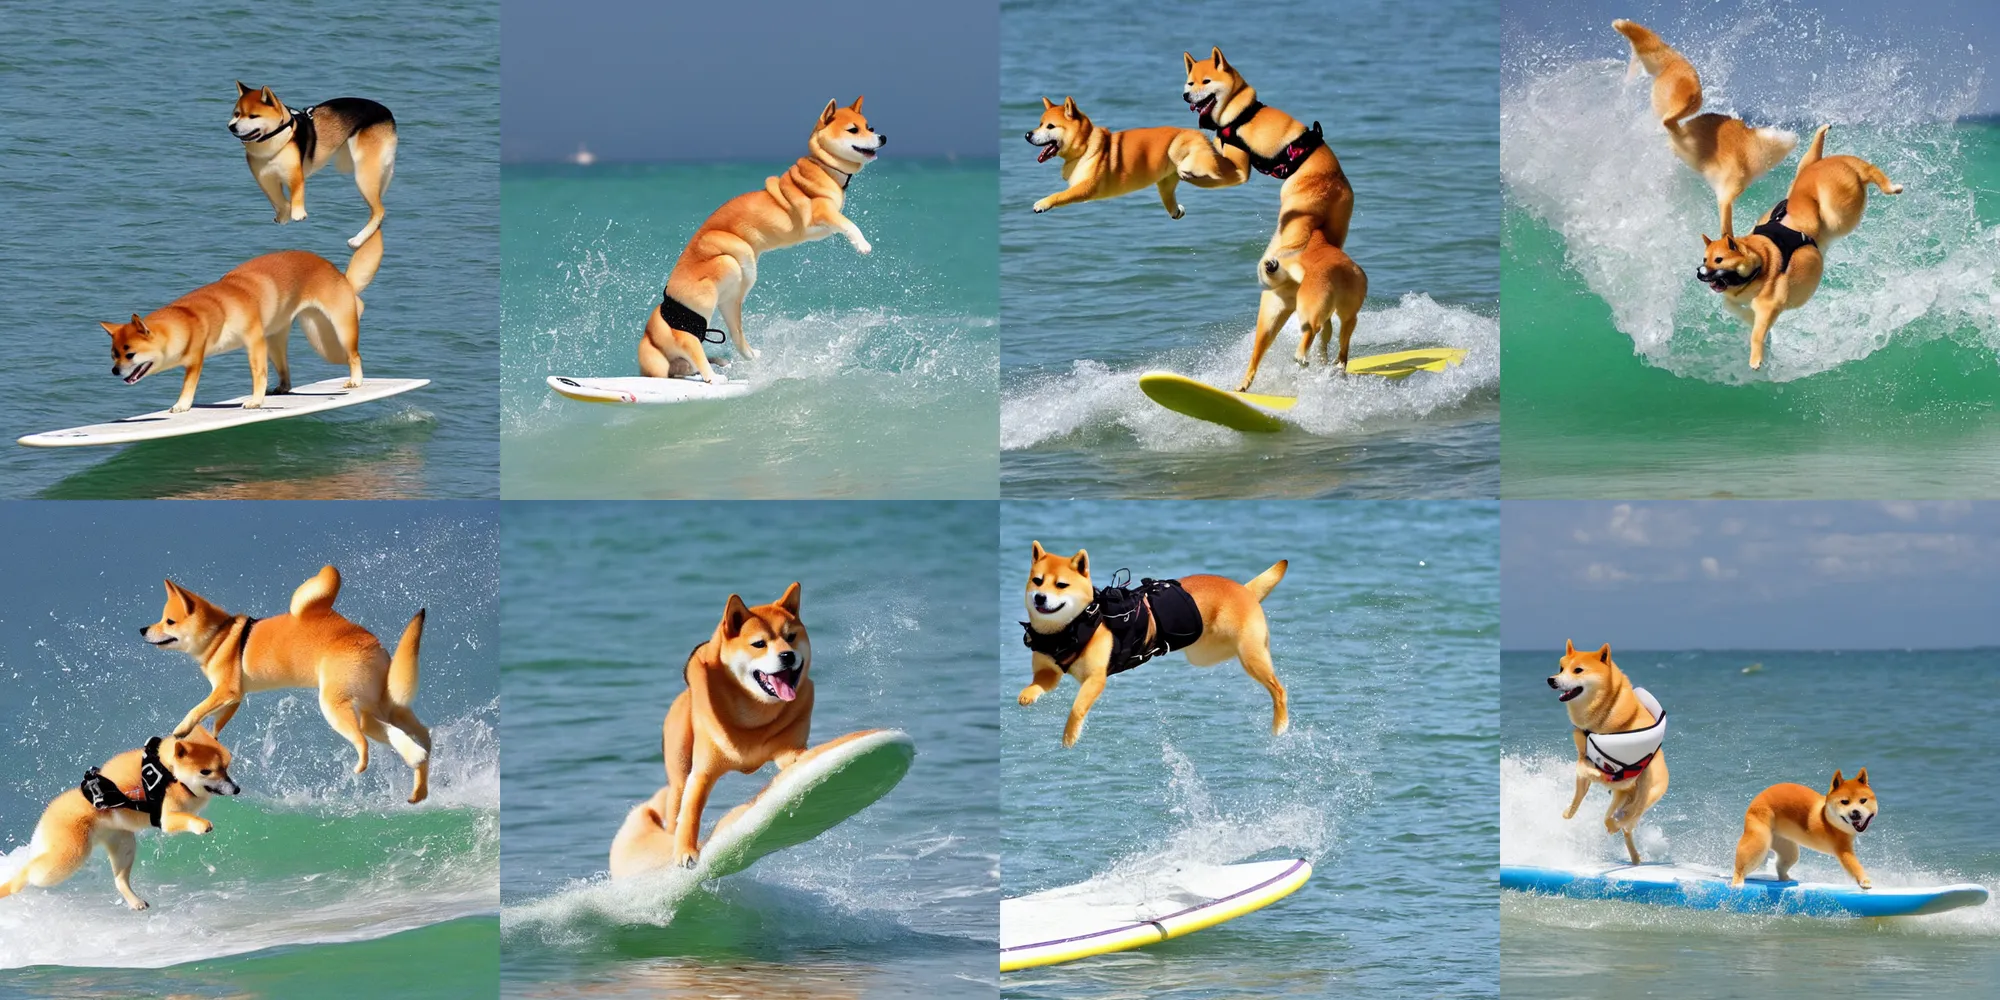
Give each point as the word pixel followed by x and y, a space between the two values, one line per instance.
pixel 206 771
pixel 1864 802
pixel 1037 581
pixel 1061 584
pixel 854 128
pixel 1718 260
pixel 1576 670
pixel 128 355
pixel 1205 81
pixel 759 644
pixel 1843 801
pixel 170 621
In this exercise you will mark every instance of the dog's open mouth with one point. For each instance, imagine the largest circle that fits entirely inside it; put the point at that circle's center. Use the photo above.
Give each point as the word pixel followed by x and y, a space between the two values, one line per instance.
pixel 1719 279
pixel 1202 105
pixel 1861 822
pixel 1571 693
pixel 1048 150
pixel 139 372
pixel 783 685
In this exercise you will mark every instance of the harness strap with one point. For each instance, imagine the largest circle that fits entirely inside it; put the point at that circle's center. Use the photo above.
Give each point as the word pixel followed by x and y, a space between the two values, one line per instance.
pixel 274 132
pixel 686 320
pixel 1788 240
pixel 103 793
pixel 1287 161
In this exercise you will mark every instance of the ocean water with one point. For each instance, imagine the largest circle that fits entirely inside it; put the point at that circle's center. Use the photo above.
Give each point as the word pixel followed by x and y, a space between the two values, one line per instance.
pixel 1097 293
pixel 312 867
pixel 1385 633
pixel 121 190
pixel 881 368
pixel 1627 378
pixel 1911 718
pixel 603 602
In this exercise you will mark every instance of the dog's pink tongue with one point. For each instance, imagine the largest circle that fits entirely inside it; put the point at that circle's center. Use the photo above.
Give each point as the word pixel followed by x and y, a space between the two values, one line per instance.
pixel 785 691
pixel 1047 151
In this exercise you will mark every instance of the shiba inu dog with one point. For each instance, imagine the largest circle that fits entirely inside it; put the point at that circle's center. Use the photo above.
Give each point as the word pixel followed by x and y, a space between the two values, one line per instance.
pixel 1329 283
pixel 364 693
pixel 1727 153
pixel 1778 266
pixel 1315 196
pixel 165 784
pixel 1603 703
pixel 284 147
pixel 748 703
pixel 1100 163
pixel 1074 628
pixel 719 265
pixel 253 308
pixel 1783 817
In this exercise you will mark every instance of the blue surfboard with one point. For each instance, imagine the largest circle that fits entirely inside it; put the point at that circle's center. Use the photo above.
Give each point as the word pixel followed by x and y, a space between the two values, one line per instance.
pixel 1698 888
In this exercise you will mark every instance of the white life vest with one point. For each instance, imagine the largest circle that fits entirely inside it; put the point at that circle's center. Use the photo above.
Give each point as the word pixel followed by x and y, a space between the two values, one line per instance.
pixel 1622 756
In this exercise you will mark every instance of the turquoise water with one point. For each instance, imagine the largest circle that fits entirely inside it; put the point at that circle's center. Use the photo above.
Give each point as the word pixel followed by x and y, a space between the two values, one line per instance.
pixel 880 368
pixel 1627 378
pixel 1094 294
pixel 1914 719
pixel 603 601
pixel 310 858
pixel 121 190
pixel 1385 632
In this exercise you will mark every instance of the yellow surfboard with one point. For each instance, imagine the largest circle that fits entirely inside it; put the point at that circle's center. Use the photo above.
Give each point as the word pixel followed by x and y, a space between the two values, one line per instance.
pixel 1255 412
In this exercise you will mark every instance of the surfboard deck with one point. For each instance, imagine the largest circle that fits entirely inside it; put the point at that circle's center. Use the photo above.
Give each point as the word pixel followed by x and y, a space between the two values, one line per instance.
pixel 1103 916
pixel 814 795
pixel 639 389
pixel 1244 411
pixel 1403 364
pixel 1699 887
pixel 330 394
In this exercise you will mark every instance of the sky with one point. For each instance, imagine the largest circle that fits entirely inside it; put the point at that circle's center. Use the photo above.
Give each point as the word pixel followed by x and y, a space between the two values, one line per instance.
pixel 645 80
pixel 1750 575
pixel 1927 39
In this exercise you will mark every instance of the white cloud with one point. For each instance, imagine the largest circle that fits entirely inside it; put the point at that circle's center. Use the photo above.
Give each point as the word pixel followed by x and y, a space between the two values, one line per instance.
pixel 1714 570
pixel 1598 572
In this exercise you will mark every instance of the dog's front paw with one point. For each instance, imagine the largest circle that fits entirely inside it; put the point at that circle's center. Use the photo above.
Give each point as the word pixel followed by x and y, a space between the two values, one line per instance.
pixel 253 404
pixel 717 378
pixel 279 217
pixel 180 408
pixel 686 859
pixel 298 215
pixel 1569 813
pixel 1042 206
pixel 137 904
pixel 1030 694
pixel 751 353
pixel 1736 882
pixel 1866 884
pixel 863 247
pixel 199 826
pixel 353 383
pixel 1071 735
pixel 1610 825
pixel 1177 213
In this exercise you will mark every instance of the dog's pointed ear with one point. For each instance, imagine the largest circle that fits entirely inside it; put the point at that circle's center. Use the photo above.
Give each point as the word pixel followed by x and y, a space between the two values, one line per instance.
pixel 1729 238
pixel 1069 108
pixel 1081 561
pixel 1039 551
pixel 1569 648
pixel 1190 60
pixel 1861 776
pixel 110 328
pixel 1837 779
pixel 140 323
pixel 1047 104
pixel 1605 653
pixel 268 97
pixel 856 106
pixel 241 89
pixel 790 602
pixel 180 749
pixel 1215 53
pixel 734 614
pixel 826 114
pixel 1705 241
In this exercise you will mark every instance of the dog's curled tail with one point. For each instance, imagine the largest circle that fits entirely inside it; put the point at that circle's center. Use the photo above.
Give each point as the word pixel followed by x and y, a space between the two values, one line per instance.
pixel 316 595
pixel 403 667
pixel 1815 151
pixel 1261 585
pixel 366 261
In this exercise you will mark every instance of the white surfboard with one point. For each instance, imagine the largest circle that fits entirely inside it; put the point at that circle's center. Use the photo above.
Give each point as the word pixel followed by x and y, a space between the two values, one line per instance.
pixel 330 394
pixel 1699 887
pixel 1109 914
pixel 814 795
pixel 638 389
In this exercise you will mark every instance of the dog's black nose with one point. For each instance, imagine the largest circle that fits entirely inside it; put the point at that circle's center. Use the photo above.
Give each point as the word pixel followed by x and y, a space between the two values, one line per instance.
pixel 1029 135
pixel 881 140
pixel 1552 682
pixel 143 628
pixel 786 658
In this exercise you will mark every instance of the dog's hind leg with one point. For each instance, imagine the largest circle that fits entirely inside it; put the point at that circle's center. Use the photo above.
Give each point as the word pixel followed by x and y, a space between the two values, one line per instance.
pixel 276 347
pixel 122 847
pixel 1254 652
pixel 412 741
pixel 1752 846
pixel 371 162
pixel 1788 855
pixel 1272 311
pixel 345 719
pixel 732 305
pixel 1872 174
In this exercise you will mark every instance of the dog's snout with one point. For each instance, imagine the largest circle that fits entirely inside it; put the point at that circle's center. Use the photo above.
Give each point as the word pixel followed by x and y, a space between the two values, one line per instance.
pixel 786 658
pixel 1552 682
pixel 143 629
pixel 881 139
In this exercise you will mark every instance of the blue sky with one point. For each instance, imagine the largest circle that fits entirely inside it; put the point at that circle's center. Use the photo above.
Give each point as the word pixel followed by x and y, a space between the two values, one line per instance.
pixel 1750 575
pixel 644 80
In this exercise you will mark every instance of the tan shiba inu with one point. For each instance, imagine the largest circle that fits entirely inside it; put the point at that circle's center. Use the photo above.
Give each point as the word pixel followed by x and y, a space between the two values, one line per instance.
pixel 284 147
pixel 165 784
pixel 1727 153
pixel 748 703
pixel 1783 817
pixel 364 693
pixel 719 265
pixel 1602 702
pixel 1074 628
pixel 1315 197
pixel 1329 283
pixel 253 308
pixel 1100 163
pixel 1778 266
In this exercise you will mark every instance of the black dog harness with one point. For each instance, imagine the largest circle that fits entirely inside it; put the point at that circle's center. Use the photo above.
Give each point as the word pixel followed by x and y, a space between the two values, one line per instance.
pixel 1127 611
pixel 686 320
pixel 362 112
pixel 1288 160
pixel 154 778
pixel 1789 240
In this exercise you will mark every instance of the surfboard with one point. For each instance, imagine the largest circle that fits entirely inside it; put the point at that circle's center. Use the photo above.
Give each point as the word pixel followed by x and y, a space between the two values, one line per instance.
pixel 1255 412
pixel 1701 888
pixel 812 796
pixel 1105 915
pixel 318 397
pixel 639 389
